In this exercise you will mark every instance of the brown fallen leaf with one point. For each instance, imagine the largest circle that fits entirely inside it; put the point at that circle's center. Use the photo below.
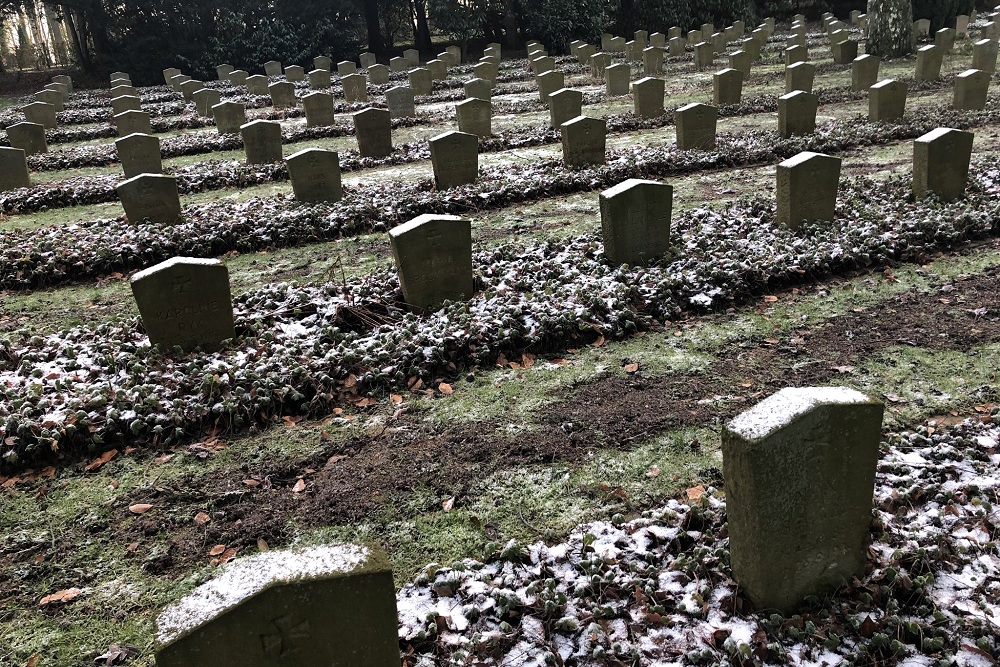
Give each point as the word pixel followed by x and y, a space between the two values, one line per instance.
pixel 217 550
pixel 262 544
pixel 695 493
pixel 299 487
pixel 34 661
pixel 140 508
pixel 201 518
pixel 632 368
pixel 227 556
pixel 445 389
pixel 251 483
pixel 101 461
pixel 770 298
pixel 449 504
pixel 61 597
pixel 395 399
pixel 654 471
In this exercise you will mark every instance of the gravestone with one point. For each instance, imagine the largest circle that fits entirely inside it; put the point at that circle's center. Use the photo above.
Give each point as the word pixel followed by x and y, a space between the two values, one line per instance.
pixel 971 89
pixel 696 126
pixel 941 163
pixel 598 63
pixel 929 59
pixel 704 55
pixel 984 55
pixel 29 137
pixel 323 62
pixel 189 88
pixel 229 117
pixel 438 69
pixel 617 79
pixel 346 67
pixel 132 122
pixel 315 174
pixel 800 76
pixel 53 97
pixel 319 79
pixel 694 37
pixel 751 46
pixel 367 59
pixel 584 141
pixel 139 154
pixel 961 26
pixel 282 94
pixel 177 81
pixel 257 85
pixel 420 81
pixel 864 72
pixel 295 73
pixel 433 255
pixel 647 97
pixel 373 130
pixel 399 99
pixel 480 89
pixel 205 99
pixel 796 54
pixel 676 46
pixel 168 74
pixel 564 104
pixel 239 77
pixel 845 52
pixel 652 60
pixel 543 64
pixel 658 40
pixel 455 159
pixel 486 71
pixel 800 478
pixel 635 220
pixel 412 56
pixel 887 100
pixel 378 75
pixel 150 197
pixel 727 87
pixel 945 39
pixel 921 28
pixel 262 141
pixel 125 103
pixel 65 88
pixel 797 113
pixel 40 112
pixel 186 302
pixel 398 64
pixel 548 83
pixel 355 88
pixel 807 189
pixel 223 71
pixel 475 117
pixel 272 68
pixel 707 30
pixel 741 61
pixel 13 169
pixel 319 109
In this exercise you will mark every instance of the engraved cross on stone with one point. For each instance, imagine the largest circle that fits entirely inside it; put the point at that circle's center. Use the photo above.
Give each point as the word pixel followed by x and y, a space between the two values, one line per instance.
pixel 289 638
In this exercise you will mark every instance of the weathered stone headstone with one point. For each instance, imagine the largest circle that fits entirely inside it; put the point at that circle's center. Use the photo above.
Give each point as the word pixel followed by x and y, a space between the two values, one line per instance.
pixel 355 88
pixel 971 89
pixel 887 100
pixel 186 302
pixel 796 54
pixel 318 109
pixel 941 163
pixel 598 63
pixel 170 73
pixel 29 137
pixel 399 99
pixel 584 141
pixel 864 72
pixel 412 56
pixel 800 478
pixel 257 85
pixel 229 117
pixel 177 81
pixel 223 71
pixel 807 188
pixel 125 103
pixel 945 39
pixel 319 79
pixel 373 130
pixel 205 99
pixel 635 219
pixel 696 126
pixel 727 87
pixel 295 73
pixel 398 64
pixel 704 55
pixel 617 79
pixel 378 75
pixel 132 122
pixel 543 64
pixel 676 46
pixel 486 71
pixel 421 82
pixel 139 154
pixel 652 60
pixel 150 197
pixel 282 94
pixel 984 55
pixel 548 83
pixel 694 37
pixel 323 62
pixel 189 88
pixel 315 174
pixel 40 112
pixel 740 60
pixel 564 104
pixel 800 76
pixel 438 69
pixel 647 97
pixel 367 59
pixel 272 68
pixel 929 59
pixel 455 159
pixel 433 255
pixel 961 26
pixel 797 113
pixel 53 97
pixel 65 88
pixel 130 91
pixel 475 117
pixel 13 169
pixel 262 141
pixel 845 51
pixel 239 77
pixel 921 28
pixel 480 89
pixel 658 40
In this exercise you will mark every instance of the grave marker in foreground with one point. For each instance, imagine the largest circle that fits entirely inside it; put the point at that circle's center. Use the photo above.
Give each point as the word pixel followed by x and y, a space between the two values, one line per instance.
pixel 433 255
pixel 941 163
pixel 807 188
pixel 635 219
pixel 315 175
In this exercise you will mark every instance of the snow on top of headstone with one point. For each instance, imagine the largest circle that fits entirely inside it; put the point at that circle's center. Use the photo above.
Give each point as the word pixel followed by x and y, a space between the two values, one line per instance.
pixel 248 576
pixel 781 409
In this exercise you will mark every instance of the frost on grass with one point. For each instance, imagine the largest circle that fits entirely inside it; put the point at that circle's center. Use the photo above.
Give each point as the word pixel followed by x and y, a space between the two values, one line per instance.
pixel 657 591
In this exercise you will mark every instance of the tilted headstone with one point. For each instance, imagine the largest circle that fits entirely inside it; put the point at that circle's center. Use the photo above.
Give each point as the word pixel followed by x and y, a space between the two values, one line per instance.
pixel 941 163
pixel 29 137
pixel 378 75
pixel 704 55
pixel 40 112
pixel 205 99
pixel 800 76
pixel 929 59
pixel 433 255
pixel 421 82
pixel 796 54
pixel 807 189
pixel 564 104
pixel 647 97
pixel 132 122
pixel 295 73
pixel 887 100
pixel 150 197
pixel 984 55
pixel 323 62
pixel 223 71
pixel 584 141
pixel 13 169
pixel 53 97
pixel 945 39
pixel 800 479
pixel 272 68
pixel 864 72
pixel 455 159
pixel 399 99
pixel 229 117
pixel 696 126
pixel 282 94
pixel 373 130
pixel 315 174
pixel 319 109
pixel 139 154
pixel 727 87
pixel 845 52
pixel 481 89
pixel 257 85
pixel 239 77
pixel 971 89
pixel 797 113
pixel 355 88
pixel 548 83
pixel 475 117
pixel 186 302
pixel 262 141
pixel 635 219
pixel 319 79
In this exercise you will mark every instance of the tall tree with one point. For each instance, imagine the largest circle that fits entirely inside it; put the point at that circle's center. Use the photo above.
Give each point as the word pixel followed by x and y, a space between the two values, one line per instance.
pixel 374 26
pixel 890 28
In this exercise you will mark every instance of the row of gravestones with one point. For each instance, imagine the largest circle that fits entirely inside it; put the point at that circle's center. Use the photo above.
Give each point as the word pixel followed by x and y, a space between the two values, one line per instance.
pixel 41 115
pixel 799 471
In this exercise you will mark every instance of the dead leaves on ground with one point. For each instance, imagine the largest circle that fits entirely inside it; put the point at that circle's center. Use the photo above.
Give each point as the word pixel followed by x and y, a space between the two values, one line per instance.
pixel 62 597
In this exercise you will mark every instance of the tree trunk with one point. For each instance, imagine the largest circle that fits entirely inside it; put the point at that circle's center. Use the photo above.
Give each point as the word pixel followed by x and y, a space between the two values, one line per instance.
pixel 890 28
pixel 423 31
pixel 375 42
